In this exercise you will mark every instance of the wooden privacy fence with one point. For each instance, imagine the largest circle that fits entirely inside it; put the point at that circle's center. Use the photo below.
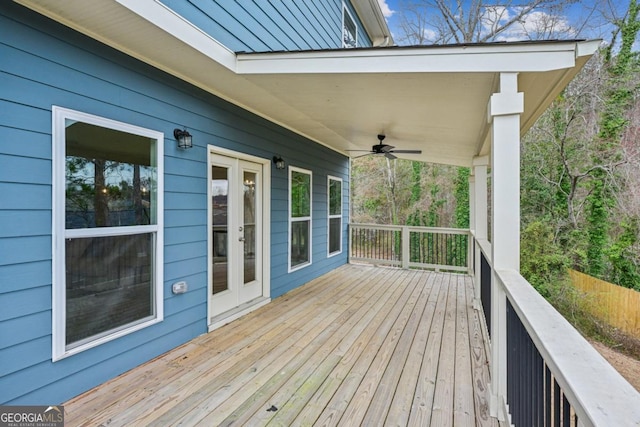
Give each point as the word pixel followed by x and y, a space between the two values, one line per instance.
pixel 616 305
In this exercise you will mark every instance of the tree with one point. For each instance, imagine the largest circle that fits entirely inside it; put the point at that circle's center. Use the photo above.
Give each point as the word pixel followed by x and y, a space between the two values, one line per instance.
pixel 614 120
pixel 455 21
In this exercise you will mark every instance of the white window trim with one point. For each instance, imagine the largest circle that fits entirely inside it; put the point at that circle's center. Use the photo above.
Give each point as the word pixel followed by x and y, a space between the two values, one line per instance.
pixel 335 216
pixel 306 218
pixel 346 13
pixel 59 232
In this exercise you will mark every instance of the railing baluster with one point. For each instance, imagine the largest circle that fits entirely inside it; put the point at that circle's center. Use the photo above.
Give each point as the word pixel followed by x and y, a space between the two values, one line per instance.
pixel 547 396
pixel 566 411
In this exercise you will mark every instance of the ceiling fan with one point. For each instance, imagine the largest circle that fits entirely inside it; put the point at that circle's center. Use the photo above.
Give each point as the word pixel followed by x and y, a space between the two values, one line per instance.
pixel 387 150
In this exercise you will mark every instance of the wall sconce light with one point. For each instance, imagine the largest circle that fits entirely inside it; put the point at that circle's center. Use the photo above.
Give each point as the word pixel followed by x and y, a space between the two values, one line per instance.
pixel 279 161
pixel 183 137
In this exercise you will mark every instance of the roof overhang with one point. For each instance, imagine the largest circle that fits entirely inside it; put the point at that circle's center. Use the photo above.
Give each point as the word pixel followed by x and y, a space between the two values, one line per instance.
pixel 432 98
pixel 374 22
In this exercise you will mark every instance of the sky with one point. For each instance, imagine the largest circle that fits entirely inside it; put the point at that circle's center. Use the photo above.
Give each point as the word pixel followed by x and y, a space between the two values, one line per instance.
pixel 583 19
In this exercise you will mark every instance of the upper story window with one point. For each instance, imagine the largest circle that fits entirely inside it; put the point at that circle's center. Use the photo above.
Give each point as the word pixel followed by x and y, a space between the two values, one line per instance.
pixel 299 218
pixel 335 215
pixel 107 215
pixel 349 29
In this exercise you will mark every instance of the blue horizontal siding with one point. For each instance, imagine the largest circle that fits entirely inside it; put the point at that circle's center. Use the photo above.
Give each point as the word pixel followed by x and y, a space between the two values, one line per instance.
pixel 24 170
pixel 17 196
pixel 46 64
pixel 25 275
pixel 16 223
pixel 19 250
pixel 25 302
pixel 39 325
pixel 185 234
pixel 262 26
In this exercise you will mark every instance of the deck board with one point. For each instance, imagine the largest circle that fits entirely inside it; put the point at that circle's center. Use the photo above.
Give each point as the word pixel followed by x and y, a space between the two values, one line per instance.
pixel 359 345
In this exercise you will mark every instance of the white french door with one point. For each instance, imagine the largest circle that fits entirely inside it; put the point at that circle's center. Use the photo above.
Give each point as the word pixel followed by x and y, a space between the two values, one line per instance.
pixel 236 233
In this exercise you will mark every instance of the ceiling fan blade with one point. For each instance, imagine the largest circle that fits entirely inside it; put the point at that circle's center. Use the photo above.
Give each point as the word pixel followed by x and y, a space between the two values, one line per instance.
pixel 362 155
pixel 390 156
pixel 407 151
pixel 385 148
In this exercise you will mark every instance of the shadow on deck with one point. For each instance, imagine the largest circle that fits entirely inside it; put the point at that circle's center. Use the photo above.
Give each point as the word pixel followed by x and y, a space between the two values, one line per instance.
pixel 360 345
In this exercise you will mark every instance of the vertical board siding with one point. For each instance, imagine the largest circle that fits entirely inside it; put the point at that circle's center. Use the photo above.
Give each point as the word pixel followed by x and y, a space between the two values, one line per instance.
pixel 274 25
pixel 46 64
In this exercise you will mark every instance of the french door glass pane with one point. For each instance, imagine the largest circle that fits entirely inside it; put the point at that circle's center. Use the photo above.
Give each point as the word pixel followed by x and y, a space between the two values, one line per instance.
pixel 220 209
pixel 109 284
pixel 299 242
pixel 249 227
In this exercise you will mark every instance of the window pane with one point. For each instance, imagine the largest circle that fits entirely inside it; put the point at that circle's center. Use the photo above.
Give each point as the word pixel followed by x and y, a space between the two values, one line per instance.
pixel 299 242
pixel 109 284
pixel 300 194
pixel 349 30
pixel 335 197
pixel 249 231
pixel 334 234
pixel 220 209
pixel 111 177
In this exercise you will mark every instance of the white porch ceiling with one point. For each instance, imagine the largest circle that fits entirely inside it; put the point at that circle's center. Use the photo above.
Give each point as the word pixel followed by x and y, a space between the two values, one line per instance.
pixel 429 98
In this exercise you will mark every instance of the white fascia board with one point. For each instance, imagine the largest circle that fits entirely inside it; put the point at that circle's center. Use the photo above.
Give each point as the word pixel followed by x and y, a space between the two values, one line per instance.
pixel 484 58
pixel 174 24
pixel 588 48
pixel 374 21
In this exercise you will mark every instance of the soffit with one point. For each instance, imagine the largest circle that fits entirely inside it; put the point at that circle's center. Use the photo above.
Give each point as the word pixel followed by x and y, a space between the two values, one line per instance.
pixel 434 99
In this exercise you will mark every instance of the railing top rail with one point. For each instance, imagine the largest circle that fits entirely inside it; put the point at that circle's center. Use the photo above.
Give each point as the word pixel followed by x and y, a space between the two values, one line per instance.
pixel 597 392
pixel 442 230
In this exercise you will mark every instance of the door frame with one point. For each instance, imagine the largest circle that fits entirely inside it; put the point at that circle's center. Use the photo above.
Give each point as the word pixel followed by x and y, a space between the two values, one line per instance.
pixel 220 320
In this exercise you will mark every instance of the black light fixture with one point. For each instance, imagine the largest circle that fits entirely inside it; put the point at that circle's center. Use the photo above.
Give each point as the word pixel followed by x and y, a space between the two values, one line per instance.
pixel 279 161
pixel 183 137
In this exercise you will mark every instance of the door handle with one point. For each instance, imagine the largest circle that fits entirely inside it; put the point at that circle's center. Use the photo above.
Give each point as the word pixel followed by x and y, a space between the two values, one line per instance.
pixel 241 239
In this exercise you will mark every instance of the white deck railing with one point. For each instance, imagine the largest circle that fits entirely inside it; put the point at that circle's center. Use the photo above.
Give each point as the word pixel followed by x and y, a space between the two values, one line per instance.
pixel 550 375
pixel 411 247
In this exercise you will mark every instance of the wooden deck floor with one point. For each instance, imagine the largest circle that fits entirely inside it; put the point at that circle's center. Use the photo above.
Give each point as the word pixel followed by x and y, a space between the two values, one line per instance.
pixel 361 345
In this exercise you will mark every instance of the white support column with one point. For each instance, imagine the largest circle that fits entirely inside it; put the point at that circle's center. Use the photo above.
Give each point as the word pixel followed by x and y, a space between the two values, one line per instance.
pixel 480 217
pixel 472 222
pixel 504 109
pixel 405 235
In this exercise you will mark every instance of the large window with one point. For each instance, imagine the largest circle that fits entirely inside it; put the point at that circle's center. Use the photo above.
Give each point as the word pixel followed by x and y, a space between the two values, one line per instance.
pixel 335 215
pixel 107 219
pixel 299 218
pixel 349 29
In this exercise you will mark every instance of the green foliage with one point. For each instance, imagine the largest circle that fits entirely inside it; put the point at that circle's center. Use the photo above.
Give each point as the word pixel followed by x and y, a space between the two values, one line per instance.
pixel 542 261
pixel 462 198
pixel 433 216
pixel 598 228
pixel 614 121
pixel 416 188
pixel 620 254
